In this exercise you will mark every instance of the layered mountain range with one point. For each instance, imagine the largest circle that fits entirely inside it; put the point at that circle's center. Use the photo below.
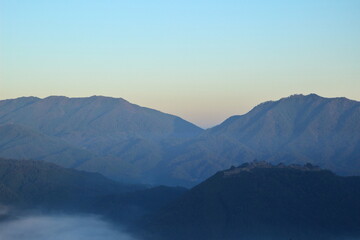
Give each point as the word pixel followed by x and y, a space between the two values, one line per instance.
pixel 131 143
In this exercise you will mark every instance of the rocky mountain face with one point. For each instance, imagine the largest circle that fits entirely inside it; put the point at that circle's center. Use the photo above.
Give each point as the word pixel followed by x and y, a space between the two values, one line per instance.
pixel 263 201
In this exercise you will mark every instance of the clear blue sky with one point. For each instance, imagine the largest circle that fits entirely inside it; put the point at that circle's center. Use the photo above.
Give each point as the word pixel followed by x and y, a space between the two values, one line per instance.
pixel 201 60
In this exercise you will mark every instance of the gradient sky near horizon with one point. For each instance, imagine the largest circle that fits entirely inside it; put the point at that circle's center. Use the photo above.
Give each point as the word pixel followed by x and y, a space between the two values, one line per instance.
pixel 201 60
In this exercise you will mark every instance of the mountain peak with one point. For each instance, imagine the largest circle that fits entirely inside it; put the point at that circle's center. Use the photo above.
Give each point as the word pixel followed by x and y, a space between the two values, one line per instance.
pixel 100 97
pixel 56 97
pixel 311 96
pixel 91 98
pixel 304 95
pixel 300 98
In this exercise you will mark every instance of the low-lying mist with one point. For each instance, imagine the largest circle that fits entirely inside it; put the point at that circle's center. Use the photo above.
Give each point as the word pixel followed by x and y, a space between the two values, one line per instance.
pixel 60 227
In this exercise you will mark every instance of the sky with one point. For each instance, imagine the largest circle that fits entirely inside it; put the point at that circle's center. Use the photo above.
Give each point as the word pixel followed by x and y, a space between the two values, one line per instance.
pixel 201 60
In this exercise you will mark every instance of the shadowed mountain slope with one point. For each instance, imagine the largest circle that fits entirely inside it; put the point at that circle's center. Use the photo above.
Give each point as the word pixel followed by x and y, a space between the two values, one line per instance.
pixel 36 183
pixel 262 201
pixel 27 184
pixel 19 142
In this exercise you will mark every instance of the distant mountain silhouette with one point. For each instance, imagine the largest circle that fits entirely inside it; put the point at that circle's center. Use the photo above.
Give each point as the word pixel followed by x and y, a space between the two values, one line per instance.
pixel 262 201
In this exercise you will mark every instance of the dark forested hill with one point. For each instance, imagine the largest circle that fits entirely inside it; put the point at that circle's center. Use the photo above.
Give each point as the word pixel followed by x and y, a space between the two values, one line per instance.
pixel 262 201
pixel 27 184
pixel 37 183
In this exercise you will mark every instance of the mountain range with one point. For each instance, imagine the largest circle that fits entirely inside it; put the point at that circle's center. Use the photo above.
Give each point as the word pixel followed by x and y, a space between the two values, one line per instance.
pixel 127 142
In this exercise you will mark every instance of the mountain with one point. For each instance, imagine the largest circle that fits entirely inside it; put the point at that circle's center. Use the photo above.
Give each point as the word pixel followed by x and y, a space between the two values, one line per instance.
pixel 94 122
pixel 121 140
pixel 28 183
pixel 19 142
pixel 263 201
pixel 324 131
pixel 296 129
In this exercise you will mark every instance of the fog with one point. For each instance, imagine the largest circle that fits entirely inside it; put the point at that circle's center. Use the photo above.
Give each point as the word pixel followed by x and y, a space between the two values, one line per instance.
pixel 60 227
pixel 81 227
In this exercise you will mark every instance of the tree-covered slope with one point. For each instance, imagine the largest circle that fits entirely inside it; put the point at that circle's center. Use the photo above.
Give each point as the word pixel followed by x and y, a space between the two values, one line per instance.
pixel 19 142
pixel 36 183
pixel 262 201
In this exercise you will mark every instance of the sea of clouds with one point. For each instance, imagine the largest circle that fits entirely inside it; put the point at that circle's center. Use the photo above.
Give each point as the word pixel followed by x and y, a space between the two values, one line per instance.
pixel 60 227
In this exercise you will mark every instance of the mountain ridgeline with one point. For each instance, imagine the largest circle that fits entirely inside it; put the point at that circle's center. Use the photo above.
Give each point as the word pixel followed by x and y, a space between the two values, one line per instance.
pixel 127 142
pixel 78 120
